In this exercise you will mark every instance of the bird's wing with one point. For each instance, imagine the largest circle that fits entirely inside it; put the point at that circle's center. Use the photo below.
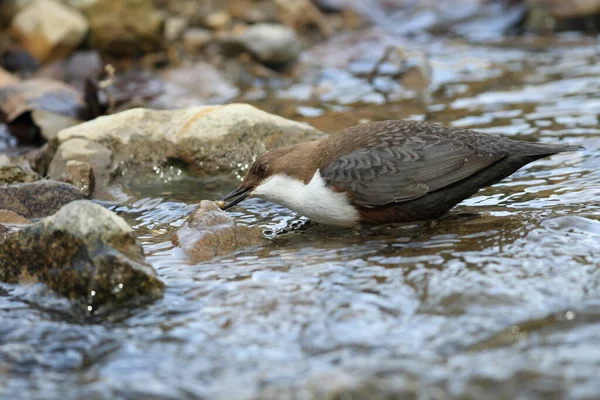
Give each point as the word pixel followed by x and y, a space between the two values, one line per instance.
pixel 399 171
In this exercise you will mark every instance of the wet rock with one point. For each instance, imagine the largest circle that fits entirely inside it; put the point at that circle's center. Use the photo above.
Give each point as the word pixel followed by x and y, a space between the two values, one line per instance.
pixel 271 44
pixel 89 160
pixel 209 86
pixel 208 140
pixel 210 232
pixel 49 29
pixel 174 28
pixel 5 231
pixel 195 39
pixel 37 199
pixel 80 175
pixel 15 174
pixel 84 252
pixel 12 218
pixel 125 27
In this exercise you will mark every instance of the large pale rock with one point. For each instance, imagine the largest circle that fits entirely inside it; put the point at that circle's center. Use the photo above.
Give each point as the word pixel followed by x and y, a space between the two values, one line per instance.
pixel 125 27
pixel 207 139
pixel 84 252
pixel 37 199
pixel 48 29
pixel 80 175
pixel 210 232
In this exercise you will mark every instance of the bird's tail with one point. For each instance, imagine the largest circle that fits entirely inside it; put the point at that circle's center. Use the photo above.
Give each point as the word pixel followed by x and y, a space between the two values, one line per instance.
pixel 544 149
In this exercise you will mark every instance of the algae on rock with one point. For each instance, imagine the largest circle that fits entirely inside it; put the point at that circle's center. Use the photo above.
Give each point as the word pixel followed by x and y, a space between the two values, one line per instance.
pixel 85 253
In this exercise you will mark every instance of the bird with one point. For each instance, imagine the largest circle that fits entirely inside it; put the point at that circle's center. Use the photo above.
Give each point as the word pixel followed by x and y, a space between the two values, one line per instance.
pixel 394 171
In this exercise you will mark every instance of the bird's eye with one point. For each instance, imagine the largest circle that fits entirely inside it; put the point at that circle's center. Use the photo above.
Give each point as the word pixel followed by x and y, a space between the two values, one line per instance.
pixel 261 169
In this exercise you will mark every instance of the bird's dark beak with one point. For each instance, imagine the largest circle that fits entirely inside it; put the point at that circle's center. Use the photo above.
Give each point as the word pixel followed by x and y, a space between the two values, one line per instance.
pixel 231 199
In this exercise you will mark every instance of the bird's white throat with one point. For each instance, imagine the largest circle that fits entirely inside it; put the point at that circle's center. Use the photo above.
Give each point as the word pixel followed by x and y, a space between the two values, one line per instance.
pixel 313 200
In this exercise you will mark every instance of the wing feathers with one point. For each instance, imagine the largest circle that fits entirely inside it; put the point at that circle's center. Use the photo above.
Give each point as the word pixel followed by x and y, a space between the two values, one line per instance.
pixel 405 169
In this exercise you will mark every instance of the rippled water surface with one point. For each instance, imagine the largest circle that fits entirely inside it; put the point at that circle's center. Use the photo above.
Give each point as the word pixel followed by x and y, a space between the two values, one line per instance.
pixel 499 300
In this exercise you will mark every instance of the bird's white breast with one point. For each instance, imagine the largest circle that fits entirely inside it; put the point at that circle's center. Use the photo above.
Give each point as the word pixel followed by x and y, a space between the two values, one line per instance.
pixel 313 200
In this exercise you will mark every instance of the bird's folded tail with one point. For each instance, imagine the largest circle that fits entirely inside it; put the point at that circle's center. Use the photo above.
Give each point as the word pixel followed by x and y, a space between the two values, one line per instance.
pixel 544 149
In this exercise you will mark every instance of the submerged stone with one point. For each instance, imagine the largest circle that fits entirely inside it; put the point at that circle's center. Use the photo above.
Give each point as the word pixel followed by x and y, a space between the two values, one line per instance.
pixel 85 253
pixel 210 232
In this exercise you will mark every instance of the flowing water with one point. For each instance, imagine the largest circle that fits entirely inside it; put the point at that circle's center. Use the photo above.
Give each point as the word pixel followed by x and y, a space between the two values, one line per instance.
pixel 499 300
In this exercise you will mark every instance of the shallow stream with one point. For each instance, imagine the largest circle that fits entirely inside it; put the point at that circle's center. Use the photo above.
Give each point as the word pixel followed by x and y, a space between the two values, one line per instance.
pixel 499 300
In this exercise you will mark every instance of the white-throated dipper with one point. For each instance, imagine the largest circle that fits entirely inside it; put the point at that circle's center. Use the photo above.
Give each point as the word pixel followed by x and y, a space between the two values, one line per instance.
pixel 384 172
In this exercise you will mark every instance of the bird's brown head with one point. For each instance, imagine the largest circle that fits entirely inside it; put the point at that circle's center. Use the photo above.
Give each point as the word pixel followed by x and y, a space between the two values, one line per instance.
pixel 291 160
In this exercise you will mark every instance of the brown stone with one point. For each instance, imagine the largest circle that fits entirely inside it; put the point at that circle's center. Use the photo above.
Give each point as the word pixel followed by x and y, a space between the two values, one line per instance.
pixel 80 175
pixel 207 140
pixel 210 232
pixel 12 218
